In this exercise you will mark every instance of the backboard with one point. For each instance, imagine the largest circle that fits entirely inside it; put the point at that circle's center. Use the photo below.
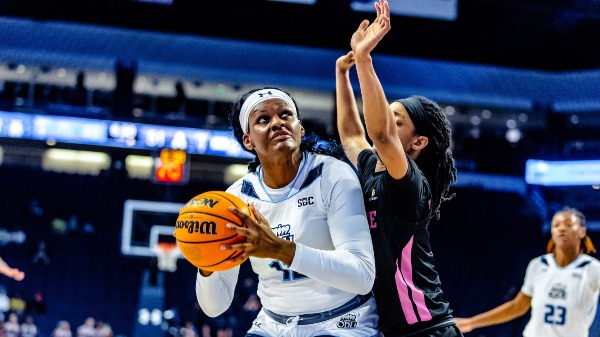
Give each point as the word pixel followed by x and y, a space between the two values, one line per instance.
pixel 145 223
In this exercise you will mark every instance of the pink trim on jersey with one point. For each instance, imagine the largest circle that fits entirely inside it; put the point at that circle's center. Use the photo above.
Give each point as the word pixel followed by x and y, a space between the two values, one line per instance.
pixel 403 282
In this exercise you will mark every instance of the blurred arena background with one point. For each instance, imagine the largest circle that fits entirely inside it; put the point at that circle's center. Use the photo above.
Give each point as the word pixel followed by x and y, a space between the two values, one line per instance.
pixel 113 113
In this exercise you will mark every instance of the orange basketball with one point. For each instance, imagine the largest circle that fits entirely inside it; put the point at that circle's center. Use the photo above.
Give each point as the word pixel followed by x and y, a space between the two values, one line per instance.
pixel 200 230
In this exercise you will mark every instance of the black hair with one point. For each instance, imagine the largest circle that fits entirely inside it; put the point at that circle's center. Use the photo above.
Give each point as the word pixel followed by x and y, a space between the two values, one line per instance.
pixel 310 143
pixel 436 160
pixel 575 212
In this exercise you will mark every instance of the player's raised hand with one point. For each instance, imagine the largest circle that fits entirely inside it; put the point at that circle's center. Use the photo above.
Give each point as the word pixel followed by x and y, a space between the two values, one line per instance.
pixel 368 35
pixel 345 62
pixel 260 239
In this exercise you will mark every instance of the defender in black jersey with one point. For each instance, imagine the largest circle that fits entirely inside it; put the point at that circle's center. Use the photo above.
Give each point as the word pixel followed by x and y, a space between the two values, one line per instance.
pixel 405 176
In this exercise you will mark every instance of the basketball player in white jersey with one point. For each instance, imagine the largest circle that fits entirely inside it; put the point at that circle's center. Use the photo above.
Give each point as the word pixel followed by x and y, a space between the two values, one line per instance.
pixel 310 244
pixel 561 287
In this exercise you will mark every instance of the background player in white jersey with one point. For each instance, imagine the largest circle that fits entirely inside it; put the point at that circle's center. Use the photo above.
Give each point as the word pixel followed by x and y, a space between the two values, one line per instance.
pixel 310 245
pixel 561 287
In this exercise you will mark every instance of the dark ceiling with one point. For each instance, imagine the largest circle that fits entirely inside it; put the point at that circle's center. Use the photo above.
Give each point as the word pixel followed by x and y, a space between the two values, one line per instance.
pixel 553 35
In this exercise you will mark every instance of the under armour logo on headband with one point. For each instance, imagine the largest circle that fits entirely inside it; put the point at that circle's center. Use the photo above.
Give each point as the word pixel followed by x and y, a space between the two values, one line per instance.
pixel 259 96
pixel 265 93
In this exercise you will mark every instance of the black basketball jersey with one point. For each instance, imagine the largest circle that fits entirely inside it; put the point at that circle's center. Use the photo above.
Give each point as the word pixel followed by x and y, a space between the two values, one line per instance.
pixel 407 286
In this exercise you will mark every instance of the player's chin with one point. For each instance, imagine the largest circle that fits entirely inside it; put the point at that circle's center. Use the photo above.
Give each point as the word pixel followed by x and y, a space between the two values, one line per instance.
pixel 286 144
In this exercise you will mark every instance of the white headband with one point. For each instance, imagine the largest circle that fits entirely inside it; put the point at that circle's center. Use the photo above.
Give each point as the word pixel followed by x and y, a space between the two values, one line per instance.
pixel 259 96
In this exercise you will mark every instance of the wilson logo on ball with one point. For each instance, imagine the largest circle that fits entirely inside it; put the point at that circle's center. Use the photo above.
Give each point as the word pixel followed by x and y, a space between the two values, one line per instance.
pixel 204 227
pixel 202 202
pixel 201 230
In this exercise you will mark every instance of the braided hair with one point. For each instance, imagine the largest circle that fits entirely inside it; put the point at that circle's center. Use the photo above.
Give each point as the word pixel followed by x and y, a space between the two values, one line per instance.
pixel 436 160
pixel 310 143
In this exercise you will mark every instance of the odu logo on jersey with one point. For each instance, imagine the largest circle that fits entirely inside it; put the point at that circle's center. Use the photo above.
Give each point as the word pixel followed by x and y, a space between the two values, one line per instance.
pixel 347 321
pixel 558 290
pixel 283 231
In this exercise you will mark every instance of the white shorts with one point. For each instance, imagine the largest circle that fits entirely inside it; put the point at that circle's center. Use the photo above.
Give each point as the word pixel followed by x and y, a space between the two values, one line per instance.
pixel 355 322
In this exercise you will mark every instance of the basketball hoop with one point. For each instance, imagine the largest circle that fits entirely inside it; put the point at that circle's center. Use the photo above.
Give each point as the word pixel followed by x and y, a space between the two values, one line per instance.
pixel 167 254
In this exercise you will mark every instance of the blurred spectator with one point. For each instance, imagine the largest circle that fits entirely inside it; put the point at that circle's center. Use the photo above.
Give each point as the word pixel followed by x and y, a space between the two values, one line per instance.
pixel 17 304
pixel 36 305
pixel 59 226
pixel 12 326
pixel 88 328
pixel 224 332
pixel 41 257
pixel 87 228
pixel 7 237
pixel 11 272
pixel 63 329
pixel 103 330
pixel 80 93
pixel 73 224
pixel 189 330
pixel 2 330
pixel 252 306
pixel 35 208
pixel 4 303
pixel 28 328
pixel 206 330
pixel 248 288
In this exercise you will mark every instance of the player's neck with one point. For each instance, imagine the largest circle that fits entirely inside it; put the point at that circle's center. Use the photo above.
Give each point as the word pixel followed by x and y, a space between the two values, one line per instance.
pixel 278 173
pixel 564 257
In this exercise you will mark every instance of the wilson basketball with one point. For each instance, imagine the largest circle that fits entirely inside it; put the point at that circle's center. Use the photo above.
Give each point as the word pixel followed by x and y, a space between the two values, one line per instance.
pixel 200 230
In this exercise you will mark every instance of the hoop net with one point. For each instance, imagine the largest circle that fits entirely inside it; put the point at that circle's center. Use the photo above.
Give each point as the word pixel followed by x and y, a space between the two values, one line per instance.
pixel 167 254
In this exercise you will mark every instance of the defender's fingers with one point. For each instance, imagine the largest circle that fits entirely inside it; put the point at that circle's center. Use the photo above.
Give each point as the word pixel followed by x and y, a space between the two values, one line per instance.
pixel 363 25
pixel 386 8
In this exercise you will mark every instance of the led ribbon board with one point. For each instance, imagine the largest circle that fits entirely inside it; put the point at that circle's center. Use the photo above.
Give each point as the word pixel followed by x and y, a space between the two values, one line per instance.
pixel 562 173
pixel 120 134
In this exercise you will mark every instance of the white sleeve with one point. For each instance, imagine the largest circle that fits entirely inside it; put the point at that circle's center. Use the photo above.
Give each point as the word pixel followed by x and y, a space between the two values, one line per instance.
pixel 215 292
pixel 351 266
pixel 595 274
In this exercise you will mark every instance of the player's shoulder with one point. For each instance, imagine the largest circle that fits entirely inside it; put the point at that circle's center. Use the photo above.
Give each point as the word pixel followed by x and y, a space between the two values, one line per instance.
pixel 334 166
pixel 236 187
pixel 542 261
pixel 585 259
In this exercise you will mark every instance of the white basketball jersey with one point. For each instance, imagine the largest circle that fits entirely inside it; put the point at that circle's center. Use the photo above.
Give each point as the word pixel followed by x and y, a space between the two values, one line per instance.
pixel 299 213
pixel 564 299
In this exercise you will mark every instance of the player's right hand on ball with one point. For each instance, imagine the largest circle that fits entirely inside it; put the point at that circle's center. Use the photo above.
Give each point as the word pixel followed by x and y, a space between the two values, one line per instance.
pixel 260 239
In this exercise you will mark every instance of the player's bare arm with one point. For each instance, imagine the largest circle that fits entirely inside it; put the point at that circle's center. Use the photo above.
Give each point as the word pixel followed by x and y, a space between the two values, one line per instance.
pixel 350 128
pixel 379 118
